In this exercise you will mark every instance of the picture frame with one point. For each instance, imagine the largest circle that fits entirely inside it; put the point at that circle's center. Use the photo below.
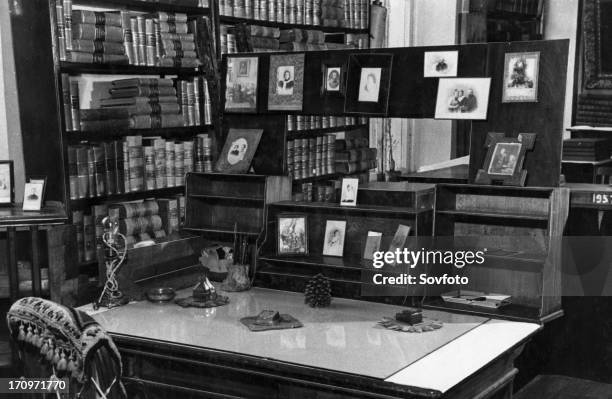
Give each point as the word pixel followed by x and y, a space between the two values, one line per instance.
pixel 7 183
pixel 368 84
pixel 505 158
pixel 440 64
pixel 39 179
pixel 399 238
pixel 350 187
pixel 521 77
pixel 286 82
pixel 333 241
pixel 292 234
pixel 333 76
pixel 372 244
pixel 463 98
pixel 238 150
pixel 32 196
pixel 241 84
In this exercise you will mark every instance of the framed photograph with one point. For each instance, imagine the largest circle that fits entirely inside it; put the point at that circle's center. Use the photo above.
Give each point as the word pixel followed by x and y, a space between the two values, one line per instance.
pixel 335 231
pixel 241 84
pixel 39 179
pixel 32 196
pixel 505 159
pixel 286 83
pixel 333 79
pixel 463 98
pixel 367 84
pixel 372 244
pixel 349 192
pixel 238 150
pixel 440 64
pixel 7 183
pixel 399 239
pixel 292 234
pixel 521 75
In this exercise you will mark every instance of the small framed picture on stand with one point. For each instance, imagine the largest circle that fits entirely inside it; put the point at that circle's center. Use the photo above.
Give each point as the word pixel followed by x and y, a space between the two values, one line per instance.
pixel 349 192
pixel 32 196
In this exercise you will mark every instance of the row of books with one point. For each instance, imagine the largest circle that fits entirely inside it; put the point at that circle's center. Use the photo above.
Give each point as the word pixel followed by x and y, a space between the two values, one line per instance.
pixel 137 103
pixel 353 155
pixel 122 37
pixel 342 13
pixel 137 221
pixel 309 157
pixel 312 122
pixel 134 165
pixel 324 191
pixel 529 7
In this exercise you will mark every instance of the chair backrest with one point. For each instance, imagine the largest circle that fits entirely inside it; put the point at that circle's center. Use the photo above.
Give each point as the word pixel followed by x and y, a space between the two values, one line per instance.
pixel 603 175
pixel 52 339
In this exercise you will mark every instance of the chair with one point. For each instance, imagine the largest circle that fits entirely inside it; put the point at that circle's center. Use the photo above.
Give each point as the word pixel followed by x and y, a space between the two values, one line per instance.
pixel 603 175
pixel 53 340
pixel 561 387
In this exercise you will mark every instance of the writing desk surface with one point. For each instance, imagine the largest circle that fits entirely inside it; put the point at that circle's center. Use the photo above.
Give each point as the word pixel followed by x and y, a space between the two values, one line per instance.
pixel 343 337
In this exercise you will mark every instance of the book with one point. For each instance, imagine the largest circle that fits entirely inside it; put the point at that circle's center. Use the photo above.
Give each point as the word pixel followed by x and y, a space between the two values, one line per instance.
pixel 91 172
pixel 96 17
pixel 68 33
pixel 136 225
pixel 141 40
pixel 160 162
pixel 110 165
pixel 75 105
pixel 72 173
pixel 77 222
pixel 98 213
pixel 143 91
pixel 98 46
pixel 136 163
pixel 66 102
pixel 103 114
pixel 135 209
pixel 149 159
pixel 170 177
pixel 97 32
pixel 128 38
pixel 179 164
pixel 89 238
pixel 82 165
pixel 119 167
pixel 168 211
pixel 150 43
pixel 135 41
pixel 156 121
pixel 99 171
pixel 114 102
pixel 126 166
pixel 139 82
pixel 105 124
pixel 97 58
pixel 60 29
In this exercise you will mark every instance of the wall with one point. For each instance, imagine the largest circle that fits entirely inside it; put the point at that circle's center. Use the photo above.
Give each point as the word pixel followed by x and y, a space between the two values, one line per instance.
pixel 561 22
pixel 10 130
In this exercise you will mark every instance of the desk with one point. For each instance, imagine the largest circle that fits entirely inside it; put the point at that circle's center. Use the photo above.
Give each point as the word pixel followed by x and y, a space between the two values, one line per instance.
pixel 339 353
pixel 13 218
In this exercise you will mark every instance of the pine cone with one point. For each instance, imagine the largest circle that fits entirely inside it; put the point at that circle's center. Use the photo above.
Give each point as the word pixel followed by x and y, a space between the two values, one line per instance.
pixel 318 292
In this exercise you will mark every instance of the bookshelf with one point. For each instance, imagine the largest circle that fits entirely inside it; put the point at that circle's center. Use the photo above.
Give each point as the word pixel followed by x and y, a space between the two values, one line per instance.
pixel 520 229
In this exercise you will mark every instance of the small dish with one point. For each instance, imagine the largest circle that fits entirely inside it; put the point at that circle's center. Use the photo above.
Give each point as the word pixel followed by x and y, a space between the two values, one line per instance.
pixel 161 295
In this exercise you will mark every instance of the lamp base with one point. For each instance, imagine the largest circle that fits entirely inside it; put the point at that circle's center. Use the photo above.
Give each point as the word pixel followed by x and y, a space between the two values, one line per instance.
pixel 111 301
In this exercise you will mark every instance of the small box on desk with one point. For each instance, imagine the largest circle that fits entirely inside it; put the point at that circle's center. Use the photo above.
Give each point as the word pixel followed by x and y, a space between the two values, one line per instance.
pixel 415 196
pixel 171 263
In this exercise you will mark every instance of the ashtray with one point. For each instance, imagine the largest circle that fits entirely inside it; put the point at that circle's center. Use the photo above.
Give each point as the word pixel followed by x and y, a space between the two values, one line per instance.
pixel 161 295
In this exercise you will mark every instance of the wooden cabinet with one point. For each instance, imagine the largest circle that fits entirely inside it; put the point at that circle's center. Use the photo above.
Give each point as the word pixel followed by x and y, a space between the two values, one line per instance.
pixel 520 231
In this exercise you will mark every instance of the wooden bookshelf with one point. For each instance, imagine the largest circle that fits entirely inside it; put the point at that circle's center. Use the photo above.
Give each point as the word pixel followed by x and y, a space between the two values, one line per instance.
pixel 172 132
pixel 520 231
pixel 146 6
pixel 78 68
pixel 228 20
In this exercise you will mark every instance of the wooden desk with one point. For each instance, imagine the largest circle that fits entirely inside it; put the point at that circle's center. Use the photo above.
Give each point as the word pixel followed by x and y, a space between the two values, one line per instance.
pixel 13 218
pixel 339 353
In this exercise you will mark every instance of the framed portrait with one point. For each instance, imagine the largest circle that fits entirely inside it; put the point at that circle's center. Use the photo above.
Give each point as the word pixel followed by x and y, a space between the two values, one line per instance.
pixel 241 84
pixel 335 232
pixel 348 195
pixel 238 151
pixel 32 196
pixel 521 75
pixel 463 98
pixel 372 244
pixel 39 179
pixel 333 76
pixel 440 64
pixel 286 83
pixel 367 84
pixel 505 159
pixel 292 234
pixel 7 183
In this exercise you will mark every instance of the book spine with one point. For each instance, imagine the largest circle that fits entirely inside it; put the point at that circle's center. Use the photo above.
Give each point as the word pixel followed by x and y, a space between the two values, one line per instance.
pixel 73 173
pixel 110 168
pixel 149 159
pixel 82 172
pixel 168 211
pixel 66 102
pixel 197 96
pixel 158 42
pixel 135 40
pixel 160 163
pixel 68 24
pixel 75 105
pixel 119 167
pixel 142 34
pixel 150 46
pixel 91 172
pixel 139 225
pixel 191 118
pixel 126 167
pixel 60 29
pixel 170 179
pixel 99 212
pixel 99 171
pixel 179 164
pixel 128 38
pixel 184 101
pixel 188 147
pixel 181 208
pixel 89 238
pixel 207 104
pixel 136 162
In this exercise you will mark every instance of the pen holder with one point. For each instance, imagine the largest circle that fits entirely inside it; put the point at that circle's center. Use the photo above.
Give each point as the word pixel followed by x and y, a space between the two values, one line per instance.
pixel 237 279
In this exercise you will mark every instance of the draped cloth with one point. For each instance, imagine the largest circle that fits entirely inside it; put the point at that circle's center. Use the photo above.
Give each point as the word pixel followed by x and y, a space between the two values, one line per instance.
pixel 52 339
